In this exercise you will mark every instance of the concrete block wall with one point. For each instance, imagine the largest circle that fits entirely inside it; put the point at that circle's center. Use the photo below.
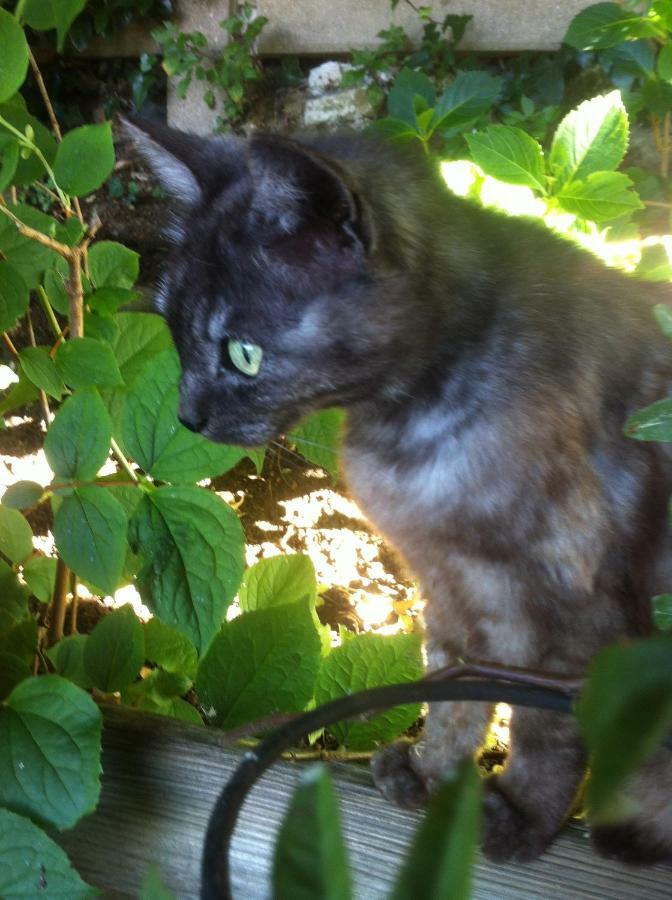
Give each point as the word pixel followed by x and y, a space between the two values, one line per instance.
pixel 333 27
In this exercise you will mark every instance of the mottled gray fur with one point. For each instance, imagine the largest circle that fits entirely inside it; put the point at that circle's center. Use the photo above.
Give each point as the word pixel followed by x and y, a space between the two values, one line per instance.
pixel 487 368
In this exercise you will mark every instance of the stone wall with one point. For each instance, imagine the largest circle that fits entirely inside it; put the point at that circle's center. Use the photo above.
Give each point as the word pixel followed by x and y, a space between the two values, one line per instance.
pixel 332 27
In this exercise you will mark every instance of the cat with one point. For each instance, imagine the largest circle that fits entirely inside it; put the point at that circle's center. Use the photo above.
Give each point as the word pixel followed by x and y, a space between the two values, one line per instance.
pixel 487 367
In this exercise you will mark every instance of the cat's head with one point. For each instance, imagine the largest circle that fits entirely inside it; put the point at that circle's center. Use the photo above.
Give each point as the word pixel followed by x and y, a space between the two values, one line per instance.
pixel 271 291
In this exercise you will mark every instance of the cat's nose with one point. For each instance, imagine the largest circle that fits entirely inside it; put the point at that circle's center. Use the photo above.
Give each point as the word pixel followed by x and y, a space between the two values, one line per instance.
pixel 192 420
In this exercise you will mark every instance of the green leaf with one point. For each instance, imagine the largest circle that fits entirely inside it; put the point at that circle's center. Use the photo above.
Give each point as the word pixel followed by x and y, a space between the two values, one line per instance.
pixel 112 265
pixel 16 535
pixel 662 611
pixel 192 547
pixel 19 395
pixel 444 847
pixel 166 647
pixel 624 712
pixel 84 159
pixel 261 663
pixel 310 859
pixel 653 423
pixel 78 440
pixel 393 130
pixel 152 435
pixel 50 751
pixel 469 96
pixel 9 159
pixel 664 64
pixel 175 707
pixel 153 888
pixel 39 574
pixel 59 14
pixel 31 861
pixel 277 580
pixel 591 138
pixel 664 318
pixel 654 265
pixel 408 86
pixel 32 168
pixel 606 24
pixel 83 362
pixel 22 495
pixel 20 640
pixel 40 368
pixel 115 650
pixel 601 197
pixel 14 295
pixel 90 533
pixel 318 438
pixel 510 155
pixel 366 661
pixel 25 255
pixel 13 670
pixel 67 657
pixel 107 301
pixel 142 336
pixel 631 58
pixel 13 597
pixel 14 57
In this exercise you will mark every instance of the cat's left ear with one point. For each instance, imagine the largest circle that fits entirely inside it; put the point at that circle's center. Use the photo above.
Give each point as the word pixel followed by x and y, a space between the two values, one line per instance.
pixel 187 165
pixel 293 185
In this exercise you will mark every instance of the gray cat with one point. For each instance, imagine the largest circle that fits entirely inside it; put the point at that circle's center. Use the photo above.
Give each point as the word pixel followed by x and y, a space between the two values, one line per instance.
pixel 487 368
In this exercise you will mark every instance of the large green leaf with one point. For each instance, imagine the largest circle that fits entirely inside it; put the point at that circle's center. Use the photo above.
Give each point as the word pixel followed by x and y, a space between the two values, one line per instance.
pixel 510 155
pixel 607 24
pixel 50 751
pixel 9 158
pixel 410 91
pixel 67 657
pixel 662 611
pixel 310 859
pixel 591 138
pixel 142 336
pixel 16 535
pixel 166 647
pixel 20 640
pixel 29 258
pixel 22 495
pixel 13 597
pixel 280 579
pixel 111 265
pixel 90 533
pixel 601 197
pixel 261 663
pixel 14 295
pixel 192 547
pixel 624 712
pixel 84 159
pixel 28 169
pixel 154 438
pixel 40 368
pixel 653 423
pixel 43 15
pixel 115 650
pixel 78 440
pixel 13 670
pixel 367 661
pixel 469 96
pixel 318 438
pixel 14 56
pixel 86 362
pixel 33 865
pixel 442 855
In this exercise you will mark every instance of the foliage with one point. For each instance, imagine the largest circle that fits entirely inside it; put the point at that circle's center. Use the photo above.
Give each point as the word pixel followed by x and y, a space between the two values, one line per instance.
pixel 226 75
pixel 310 856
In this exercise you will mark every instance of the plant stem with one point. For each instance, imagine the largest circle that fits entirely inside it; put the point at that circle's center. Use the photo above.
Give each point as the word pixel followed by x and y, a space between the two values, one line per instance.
pixel 49 312
pixel 32 146
pixel 55 127
pixel 665 151
pixel 76 293
pixel 10 345
pixel 74 603
pixel 58 603
pixel 123 462
pixel 35 235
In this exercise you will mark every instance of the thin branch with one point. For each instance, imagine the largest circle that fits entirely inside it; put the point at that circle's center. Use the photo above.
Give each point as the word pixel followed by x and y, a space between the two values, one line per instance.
pixel 74 604
pixel 46 412
pixel 76 293
pixel 123 462
pixel 35 235
pixel 55 127
pixel 58 603
pixel 49 312
pixel 10 344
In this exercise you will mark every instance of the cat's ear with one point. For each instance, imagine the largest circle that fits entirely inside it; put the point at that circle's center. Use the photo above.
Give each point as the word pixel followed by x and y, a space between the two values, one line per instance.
pixel 187 165
pixel 292 185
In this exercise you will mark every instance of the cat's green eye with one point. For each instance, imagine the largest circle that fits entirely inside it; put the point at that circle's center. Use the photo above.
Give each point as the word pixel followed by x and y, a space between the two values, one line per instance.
pixel 245 356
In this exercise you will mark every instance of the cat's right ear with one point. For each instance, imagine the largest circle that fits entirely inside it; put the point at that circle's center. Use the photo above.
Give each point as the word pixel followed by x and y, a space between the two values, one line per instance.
pixel 176 158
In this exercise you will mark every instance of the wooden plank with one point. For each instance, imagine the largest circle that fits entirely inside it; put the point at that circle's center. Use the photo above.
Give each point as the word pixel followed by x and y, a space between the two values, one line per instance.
pixel 160 780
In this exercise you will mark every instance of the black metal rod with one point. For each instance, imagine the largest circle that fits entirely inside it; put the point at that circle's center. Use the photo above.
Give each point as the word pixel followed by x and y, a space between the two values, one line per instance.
pixel 215 869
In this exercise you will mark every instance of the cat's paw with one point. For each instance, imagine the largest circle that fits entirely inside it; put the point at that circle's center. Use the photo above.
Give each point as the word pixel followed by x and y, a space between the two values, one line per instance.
pixel 630 843
pixel 508 833
pixel 396 778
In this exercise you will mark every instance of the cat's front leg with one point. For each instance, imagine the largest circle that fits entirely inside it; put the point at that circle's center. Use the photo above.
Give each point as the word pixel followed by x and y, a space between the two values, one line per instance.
pixel 407 773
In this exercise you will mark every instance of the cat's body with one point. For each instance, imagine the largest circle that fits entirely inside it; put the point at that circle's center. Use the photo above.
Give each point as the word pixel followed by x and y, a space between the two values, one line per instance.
pixel 487 368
